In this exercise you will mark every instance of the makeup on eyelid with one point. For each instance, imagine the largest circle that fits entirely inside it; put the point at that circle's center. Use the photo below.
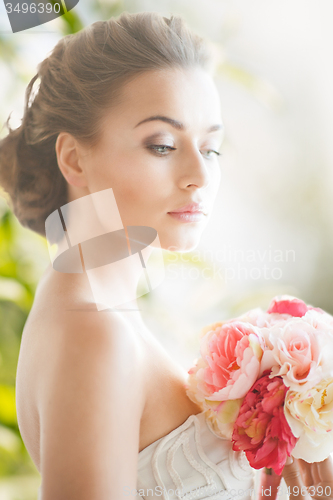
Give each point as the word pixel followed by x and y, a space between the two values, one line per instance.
pixel 156 138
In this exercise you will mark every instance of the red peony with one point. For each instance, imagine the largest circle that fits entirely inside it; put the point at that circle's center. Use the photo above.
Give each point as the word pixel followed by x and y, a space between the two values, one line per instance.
pixel 261 429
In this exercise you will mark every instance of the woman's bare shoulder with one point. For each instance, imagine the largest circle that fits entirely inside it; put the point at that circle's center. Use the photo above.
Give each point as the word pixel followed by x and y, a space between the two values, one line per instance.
pixel 62 329
pixel 60 313
pixel 85 330
pixel 88 338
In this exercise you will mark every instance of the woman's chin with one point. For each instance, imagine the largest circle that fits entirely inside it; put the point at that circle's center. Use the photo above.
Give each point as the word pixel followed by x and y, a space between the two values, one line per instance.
pixel 181 244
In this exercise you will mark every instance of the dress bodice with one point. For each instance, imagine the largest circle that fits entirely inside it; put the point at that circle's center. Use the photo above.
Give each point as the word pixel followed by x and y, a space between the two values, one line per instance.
pixel 192 462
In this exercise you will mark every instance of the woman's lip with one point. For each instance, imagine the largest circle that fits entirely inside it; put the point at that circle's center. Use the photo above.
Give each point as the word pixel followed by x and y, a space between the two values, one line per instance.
pixel 189 212
pixel 188 216
pixel 190 207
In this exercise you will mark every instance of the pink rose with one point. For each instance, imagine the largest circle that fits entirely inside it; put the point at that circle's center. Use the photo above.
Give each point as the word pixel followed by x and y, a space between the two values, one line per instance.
pixel 319 319
pixel 229 363
pixel 258 317
pixel 298 344
pixel 297 352
pixel 261 429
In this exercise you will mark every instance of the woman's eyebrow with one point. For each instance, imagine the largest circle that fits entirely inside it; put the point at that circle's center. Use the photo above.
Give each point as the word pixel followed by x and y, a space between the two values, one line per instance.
pixel 176 124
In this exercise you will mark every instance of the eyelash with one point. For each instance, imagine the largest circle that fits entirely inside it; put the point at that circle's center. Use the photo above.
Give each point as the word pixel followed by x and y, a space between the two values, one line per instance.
pixel 153 146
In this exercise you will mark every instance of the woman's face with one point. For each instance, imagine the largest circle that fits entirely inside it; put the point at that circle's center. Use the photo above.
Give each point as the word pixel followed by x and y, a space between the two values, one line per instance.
pixel 156 166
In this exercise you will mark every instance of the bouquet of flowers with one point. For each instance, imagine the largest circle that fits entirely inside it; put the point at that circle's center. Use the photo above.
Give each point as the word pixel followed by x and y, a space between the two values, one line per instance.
pixel 265 380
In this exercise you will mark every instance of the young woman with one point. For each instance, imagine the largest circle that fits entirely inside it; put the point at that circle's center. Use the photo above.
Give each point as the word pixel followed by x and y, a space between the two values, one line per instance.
pixel 128 104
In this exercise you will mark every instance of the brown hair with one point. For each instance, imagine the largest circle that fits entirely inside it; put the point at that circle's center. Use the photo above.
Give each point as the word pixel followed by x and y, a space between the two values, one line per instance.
pixel 83 74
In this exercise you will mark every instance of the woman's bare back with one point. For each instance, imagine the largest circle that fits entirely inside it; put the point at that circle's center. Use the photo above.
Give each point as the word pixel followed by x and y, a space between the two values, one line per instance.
pixel 166 403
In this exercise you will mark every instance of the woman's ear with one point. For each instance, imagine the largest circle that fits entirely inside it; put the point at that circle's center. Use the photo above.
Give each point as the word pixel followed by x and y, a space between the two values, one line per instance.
pixel 67 150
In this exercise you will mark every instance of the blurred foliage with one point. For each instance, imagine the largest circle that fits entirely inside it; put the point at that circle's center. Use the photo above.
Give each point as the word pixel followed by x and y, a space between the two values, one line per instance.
pixel 22 259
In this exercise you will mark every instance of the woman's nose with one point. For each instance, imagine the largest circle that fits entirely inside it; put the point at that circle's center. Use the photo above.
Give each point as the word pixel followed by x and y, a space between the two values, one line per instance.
pixel 194 170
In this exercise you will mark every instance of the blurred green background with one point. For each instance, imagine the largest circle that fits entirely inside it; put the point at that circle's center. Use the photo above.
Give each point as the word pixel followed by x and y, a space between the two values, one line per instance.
pixel 274 79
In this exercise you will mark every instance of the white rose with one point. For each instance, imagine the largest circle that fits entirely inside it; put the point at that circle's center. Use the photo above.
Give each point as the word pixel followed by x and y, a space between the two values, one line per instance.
pixel 310 417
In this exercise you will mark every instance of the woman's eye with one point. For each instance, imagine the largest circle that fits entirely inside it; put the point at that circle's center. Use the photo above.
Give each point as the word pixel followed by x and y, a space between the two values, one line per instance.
pixel 160 149
pixel 212 151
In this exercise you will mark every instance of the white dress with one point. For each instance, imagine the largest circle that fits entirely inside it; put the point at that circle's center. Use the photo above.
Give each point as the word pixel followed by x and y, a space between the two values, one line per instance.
pixel 192 463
